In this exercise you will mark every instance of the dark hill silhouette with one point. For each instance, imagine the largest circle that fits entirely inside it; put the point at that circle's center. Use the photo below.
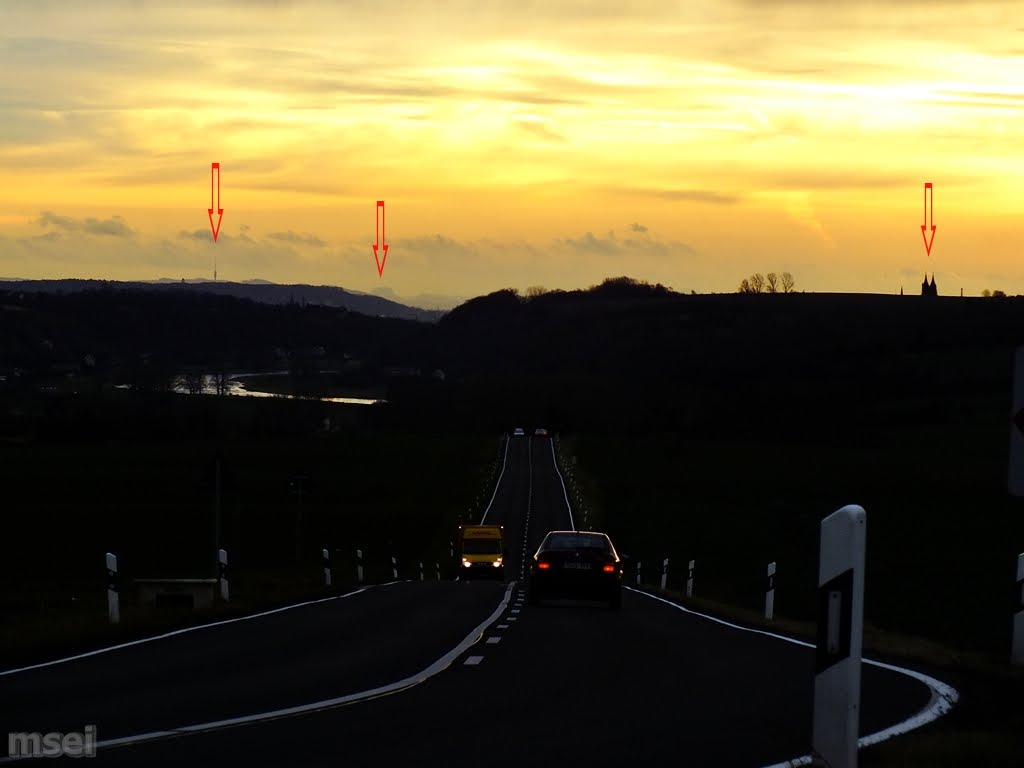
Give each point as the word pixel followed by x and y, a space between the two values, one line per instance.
pixel 256 290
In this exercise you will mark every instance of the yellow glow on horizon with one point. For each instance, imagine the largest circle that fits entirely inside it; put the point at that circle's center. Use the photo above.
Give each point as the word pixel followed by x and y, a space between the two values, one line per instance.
pixel 723 134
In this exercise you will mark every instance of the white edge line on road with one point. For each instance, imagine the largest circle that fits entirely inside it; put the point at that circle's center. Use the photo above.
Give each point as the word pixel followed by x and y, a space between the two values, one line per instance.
pixel 568 506
pixel 943 696
pixel 438 666
pixel 497 485
pixel 196 628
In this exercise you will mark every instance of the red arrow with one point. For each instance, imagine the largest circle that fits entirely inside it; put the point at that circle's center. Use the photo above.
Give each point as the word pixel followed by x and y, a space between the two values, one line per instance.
pixel 210 210
pixel 380 236
pixel 929 205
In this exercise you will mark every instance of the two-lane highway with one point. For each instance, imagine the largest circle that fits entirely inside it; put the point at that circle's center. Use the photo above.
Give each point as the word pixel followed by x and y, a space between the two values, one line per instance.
pixel 561 683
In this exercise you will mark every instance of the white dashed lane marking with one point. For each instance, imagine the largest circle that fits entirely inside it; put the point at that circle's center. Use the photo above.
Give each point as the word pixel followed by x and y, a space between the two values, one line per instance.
pixel 472 661
pixel 493 640
pixel 503 626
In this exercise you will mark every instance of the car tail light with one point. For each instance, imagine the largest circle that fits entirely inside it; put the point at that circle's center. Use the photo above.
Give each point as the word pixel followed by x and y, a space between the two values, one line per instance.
pixel 609 568
pixel 543 566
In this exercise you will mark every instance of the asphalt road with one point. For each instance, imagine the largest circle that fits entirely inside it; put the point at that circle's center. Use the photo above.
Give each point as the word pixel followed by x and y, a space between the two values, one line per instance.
pixel 564 683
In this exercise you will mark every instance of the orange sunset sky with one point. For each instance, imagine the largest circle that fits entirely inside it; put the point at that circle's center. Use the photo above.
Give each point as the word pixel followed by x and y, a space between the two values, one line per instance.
pixel 515 143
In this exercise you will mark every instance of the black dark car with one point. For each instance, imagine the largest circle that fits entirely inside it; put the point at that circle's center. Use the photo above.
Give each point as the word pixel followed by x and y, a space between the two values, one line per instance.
pixel 576 564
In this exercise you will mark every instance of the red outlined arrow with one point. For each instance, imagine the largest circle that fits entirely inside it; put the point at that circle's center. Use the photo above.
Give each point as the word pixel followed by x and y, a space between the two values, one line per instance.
pixel 380 236
pixel 211 209
pixel 929 208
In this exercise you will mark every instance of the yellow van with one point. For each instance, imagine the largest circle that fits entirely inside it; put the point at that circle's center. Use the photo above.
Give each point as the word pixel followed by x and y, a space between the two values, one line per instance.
pixel 482 549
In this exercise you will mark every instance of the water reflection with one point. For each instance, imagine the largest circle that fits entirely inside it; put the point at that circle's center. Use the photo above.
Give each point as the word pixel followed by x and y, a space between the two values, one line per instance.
pixel 236 387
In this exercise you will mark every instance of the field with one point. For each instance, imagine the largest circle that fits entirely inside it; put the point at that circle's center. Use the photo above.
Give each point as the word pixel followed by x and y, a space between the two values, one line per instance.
pixel 152 502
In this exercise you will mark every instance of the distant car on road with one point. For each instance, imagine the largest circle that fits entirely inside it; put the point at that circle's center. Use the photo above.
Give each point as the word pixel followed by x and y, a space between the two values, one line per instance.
pixel 540 432
pixel 519 432
pixel 576 564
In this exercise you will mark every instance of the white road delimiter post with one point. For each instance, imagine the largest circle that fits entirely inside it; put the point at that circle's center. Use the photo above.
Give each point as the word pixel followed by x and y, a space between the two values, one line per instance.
pixel 689 579
pixel 638 571
pixel 1017 655
pixel 359 566
pixel 394 568
pixel 664 572
pixel 769 593
pixel 113 596
pixel 327 567
pixel 840 635
pixel 222 563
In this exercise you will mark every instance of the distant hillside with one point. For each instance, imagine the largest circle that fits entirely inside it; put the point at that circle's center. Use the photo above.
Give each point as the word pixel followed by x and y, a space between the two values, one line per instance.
pixel 623 355
pixel 254 290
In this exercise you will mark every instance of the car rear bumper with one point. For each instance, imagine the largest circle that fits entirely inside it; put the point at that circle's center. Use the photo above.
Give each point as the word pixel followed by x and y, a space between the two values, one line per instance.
pixel 591 585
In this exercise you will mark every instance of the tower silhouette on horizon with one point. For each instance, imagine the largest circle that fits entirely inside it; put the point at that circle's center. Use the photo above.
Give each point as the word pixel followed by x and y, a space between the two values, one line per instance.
pixel 929 289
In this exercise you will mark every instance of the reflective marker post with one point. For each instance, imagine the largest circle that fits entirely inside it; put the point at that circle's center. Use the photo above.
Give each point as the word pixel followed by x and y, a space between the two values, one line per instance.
pixel 359 566
pixel 394 568
pixel 327 567
pixel 437 567
pixel 113 596
pixel 421 571
pixel 222 567
pixel 664 572
pixel 840 634
pixel 769 594
pixel 689 579
pixel 637 571
pixel 1017 655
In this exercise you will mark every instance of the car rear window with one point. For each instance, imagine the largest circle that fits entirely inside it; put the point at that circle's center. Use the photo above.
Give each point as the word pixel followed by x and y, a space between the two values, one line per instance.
pixel 577 541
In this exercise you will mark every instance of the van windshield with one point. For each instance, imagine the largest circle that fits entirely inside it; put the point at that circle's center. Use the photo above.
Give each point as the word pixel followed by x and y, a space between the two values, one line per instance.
pixel 481 547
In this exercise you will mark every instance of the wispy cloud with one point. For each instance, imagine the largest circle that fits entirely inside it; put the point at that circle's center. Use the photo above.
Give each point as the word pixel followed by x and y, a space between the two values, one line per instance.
pixel 114 227
pixel 296 238
pixel 615 246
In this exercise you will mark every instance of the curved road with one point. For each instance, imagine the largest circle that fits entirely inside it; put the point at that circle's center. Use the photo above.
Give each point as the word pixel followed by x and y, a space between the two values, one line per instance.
pixel 482 679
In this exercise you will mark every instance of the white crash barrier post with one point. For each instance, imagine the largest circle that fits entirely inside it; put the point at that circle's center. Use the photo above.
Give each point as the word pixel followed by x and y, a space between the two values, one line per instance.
pixel 637 571
pixel 769 593
pixel 451 550
pixel 359 566
pixel 1018 617
pixel 327 567
pixel 437 567
pixel 689 579
pixel 840 635
pixel 394 568
pixel 664 572
pixel 113 596
pixel 421 571
pixel 222 568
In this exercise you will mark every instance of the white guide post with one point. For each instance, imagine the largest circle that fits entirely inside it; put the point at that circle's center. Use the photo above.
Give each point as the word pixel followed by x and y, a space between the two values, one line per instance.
pixel 113 596
pixel 840 634
pixel 222 563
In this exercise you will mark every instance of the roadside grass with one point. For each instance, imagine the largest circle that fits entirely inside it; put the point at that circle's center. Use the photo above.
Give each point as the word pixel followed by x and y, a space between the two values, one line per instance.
pixel 943 536
pixel 152 502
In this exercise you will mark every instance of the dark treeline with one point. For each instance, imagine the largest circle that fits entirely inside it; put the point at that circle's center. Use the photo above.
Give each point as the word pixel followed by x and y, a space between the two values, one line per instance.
pixel 622 356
